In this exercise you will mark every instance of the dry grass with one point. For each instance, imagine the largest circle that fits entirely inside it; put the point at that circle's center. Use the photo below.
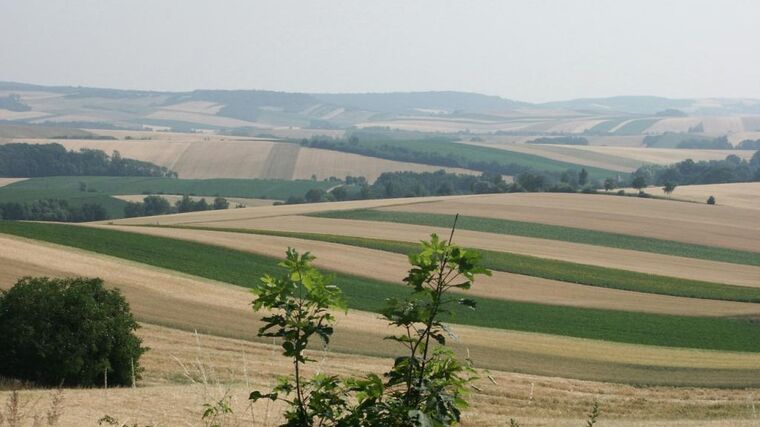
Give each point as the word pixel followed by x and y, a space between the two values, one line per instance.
pixel 169 298
pixel 186 370
pixel 721 226
pixel 744 195
pixel 381 265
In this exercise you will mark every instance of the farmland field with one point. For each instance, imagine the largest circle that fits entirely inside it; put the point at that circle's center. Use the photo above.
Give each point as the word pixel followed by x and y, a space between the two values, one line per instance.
pixel 214 156
pixel 745 195
pixel 566 307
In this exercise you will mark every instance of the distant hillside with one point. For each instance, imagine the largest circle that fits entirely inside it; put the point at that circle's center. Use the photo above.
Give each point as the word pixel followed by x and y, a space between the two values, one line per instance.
pixel 419 102
pixel 253 112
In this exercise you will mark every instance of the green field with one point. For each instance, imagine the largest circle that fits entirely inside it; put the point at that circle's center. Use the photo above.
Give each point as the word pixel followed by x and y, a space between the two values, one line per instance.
pixel 427 151
pixel 100 188
pixel 244 269
pixel 546 268
pixel 553 232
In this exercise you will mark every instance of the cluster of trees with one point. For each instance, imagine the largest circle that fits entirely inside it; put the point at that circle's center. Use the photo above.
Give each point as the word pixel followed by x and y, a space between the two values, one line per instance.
pixel 731 169
pixel 560 140
pixel 441 183
pixel 13 102
pixel 33 160
pixel 68 332
pixel 157 205
pixel 720 143
pixel 52 210
pixel 749 144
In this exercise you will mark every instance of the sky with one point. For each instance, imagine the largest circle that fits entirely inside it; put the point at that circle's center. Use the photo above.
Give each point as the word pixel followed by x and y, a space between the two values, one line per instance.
pixel 530 50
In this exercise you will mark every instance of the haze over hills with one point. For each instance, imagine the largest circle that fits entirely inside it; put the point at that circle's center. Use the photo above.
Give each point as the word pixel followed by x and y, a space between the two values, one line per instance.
pixel 261 109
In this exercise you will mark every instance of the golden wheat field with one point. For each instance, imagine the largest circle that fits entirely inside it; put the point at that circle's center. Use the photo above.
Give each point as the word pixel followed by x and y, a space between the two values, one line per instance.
pixel 745 195
pixel 204 156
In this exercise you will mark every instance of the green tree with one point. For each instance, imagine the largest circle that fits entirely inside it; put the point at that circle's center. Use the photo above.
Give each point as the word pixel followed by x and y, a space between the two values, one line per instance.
pixel 156 205
pixel 67 331
pixel 425 386
pixel 669 188
pixel 298 304
pixel 314 195
pixel 583 177
pixel 340 193
pixel 609 184
pixel 711 200
pixel 221 203
pixel 639 182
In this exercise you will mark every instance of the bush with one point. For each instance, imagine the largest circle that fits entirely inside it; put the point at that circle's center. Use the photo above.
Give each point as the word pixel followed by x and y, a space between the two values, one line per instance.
pixel 711 200
pixel 67 332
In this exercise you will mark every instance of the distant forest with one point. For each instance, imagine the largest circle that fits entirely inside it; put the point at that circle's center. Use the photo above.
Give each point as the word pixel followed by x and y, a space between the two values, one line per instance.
pixel 52 210
pixel 35 160
pixel 731 169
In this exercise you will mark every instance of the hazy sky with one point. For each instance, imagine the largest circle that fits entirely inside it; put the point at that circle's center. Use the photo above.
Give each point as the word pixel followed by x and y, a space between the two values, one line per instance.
pixel 528 50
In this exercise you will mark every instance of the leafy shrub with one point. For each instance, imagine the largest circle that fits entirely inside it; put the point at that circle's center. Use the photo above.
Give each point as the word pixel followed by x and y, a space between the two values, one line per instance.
pixel 67 331
pixel 426 386
pixel 711 200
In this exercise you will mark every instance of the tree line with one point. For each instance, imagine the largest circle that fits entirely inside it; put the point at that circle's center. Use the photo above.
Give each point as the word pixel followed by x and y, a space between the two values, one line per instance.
pixel 52 210
pixel 157 205
pixel 442 183
pixel 731 169
pixel 406 154
pixel 35 160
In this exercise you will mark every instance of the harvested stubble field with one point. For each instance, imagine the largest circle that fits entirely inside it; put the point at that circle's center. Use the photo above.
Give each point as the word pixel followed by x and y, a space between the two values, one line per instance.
pixel 184 279
pixel 535 266
pixel 243 268
pixel 165 297
pixel 384 266
pixel 745 195
pixel 214 156
pixel 693 223
pixel 289 218
pixel 186 370
pixel 660 156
